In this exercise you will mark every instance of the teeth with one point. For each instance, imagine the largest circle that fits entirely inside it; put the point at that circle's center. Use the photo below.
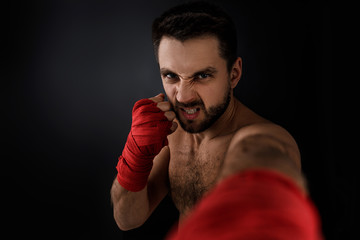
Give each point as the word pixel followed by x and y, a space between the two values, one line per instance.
pixel 190 111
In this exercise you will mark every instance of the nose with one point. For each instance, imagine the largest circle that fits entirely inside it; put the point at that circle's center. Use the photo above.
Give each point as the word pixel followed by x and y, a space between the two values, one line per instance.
pixel 185 93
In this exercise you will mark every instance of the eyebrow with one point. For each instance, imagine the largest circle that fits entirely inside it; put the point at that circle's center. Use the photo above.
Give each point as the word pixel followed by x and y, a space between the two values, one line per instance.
pixel 208 70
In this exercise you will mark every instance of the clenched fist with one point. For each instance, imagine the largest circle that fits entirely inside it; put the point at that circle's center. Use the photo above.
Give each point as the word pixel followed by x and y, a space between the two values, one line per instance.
pixel 152 122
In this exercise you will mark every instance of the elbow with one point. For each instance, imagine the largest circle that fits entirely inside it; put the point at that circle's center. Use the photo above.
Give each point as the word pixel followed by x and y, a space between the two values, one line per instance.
pixel 121 224
pixel 125 224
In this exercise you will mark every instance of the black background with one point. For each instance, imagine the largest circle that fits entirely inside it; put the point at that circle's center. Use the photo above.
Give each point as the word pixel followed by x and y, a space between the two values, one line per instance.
pixel 73 71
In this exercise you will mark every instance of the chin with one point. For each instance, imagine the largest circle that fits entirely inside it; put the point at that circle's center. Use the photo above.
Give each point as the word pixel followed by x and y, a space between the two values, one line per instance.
pixel 191 127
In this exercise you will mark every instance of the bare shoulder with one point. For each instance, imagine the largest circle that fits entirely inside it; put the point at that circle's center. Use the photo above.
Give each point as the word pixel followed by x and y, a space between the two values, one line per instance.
pixel 271 131
pixel 266 146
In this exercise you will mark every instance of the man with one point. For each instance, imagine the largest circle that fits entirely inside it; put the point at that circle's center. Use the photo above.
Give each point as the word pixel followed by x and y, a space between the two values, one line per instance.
pixel 202 134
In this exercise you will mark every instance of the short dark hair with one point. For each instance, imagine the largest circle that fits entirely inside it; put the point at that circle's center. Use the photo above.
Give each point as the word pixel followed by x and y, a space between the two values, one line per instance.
pixel 197 19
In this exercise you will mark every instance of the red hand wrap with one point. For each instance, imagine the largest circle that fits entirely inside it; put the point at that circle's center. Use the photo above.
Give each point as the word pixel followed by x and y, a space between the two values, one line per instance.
pixel 255 204
pixel 148 135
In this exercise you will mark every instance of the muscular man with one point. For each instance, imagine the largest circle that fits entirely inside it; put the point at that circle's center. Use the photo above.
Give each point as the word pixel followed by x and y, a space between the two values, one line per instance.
pixel 202 134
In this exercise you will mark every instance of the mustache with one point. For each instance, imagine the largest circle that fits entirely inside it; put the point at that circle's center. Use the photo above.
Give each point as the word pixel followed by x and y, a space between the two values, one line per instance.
pixel 198 103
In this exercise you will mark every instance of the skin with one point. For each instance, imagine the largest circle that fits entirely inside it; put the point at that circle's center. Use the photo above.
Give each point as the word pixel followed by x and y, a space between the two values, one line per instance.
pixel 193 163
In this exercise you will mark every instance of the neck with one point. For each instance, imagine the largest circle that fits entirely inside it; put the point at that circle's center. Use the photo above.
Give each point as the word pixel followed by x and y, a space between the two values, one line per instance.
pixel 224 125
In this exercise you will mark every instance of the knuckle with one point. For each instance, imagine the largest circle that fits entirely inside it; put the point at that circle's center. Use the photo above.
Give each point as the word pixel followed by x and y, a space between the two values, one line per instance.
pixel 164 106
pixel 170 115
pixel 157 98
pixel 154 99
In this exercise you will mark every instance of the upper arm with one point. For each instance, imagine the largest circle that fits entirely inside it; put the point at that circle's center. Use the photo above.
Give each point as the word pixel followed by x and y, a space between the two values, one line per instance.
pixel 158 182
pixel 267 146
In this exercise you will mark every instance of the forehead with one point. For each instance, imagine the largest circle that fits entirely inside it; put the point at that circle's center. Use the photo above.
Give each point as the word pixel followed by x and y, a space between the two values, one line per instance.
pixel 190 55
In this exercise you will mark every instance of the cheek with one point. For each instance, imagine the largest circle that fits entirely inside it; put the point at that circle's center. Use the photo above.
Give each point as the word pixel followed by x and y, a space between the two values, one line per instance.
pixel 213 94
pixel 170 91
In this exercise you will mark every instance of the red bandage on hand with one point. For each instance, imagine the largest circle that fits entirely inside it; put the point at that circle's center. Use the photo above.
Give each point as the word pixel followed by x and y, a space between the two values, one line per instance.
pixel 252 205
pixel 148 135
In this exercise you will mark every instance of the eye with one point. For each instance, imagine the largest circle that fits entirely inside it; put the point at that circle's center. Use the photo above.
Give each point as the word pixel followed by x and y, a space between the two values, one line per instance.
pixel 170 75
pixel 203 75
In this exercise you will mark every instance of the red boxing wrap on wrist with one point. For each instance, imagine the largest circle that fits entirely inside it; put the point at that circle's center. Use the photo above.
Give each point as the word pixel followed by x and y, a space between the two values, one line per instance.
pixel 148 135
pixel 254 204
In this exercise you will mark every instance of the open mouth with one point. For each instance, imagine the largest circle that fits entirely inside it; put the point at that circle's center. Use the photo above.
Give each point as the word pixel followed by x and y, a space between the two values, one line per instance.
pixel 190 113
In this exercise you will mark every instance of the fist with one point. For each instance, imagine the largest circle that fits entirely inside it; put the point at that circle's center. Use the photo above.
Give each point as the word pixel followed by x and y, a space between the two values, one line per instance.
pixel 166 108
pixel 152 122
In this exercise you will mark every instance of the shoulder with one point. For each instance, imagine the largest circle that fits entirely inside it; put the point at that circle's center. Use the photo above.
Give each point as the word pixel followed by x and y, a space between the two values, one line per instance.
pixel 264 146
pixel 272 131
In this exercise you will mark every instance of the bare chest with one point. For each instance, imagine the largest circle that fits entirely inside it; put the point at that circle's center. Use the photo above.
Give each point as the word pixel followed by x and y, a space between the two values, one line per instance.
pixel 193 172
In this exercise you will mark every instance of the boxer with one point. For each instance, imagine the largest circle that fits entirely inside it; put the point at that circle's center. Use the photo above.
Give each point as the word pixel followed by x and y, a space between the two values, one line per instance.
pixel 202 134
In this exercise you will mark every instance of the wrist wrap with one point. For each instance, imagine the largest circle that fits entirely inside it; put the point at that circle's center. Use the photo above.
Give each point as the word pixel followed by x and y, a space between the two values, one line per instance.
pixel 148 135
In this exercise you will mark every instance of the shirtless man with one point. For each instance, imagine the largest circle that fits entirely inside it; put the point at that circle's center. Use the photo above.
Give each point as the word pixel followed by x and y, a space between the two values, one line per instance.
pixel 211 134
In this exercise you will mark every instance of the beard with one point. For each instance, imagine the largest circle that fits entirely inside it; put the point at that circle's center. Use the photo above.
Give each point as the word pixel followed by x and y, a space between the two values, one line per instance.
pixel 212 114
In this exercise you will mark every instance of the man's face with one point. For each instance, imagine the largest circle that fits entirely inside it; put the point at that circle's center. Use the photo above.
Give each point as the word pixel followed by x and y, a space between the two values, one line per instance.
pixel 196 81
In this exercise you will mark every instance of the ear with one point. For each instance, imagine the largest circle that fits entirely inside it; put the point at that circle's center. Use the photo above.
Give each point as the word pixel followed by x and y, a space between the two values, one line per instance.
pixel 236 72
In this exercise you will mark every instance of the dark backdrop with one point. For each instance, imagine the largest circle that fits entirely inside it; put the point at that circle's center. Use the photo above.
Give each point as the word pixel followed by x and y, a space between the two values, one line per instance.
pixel 74 70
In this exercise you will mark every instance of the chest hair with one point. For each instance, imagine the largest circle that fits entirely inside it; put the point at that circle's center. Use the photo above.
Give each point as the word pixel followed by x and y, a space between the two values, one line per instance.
pixel 192 174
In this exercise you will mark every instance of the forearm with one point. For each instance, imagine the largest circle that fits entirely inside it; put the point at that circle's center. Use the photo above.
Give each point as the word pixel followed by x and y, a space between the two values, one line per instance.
pixel 131 209
pixel 140 183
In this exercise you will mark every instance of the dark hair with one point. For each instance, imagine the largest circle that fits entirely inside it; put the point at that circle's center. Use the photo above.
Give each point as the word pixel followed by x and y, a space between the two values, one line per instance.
pixel 197 19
